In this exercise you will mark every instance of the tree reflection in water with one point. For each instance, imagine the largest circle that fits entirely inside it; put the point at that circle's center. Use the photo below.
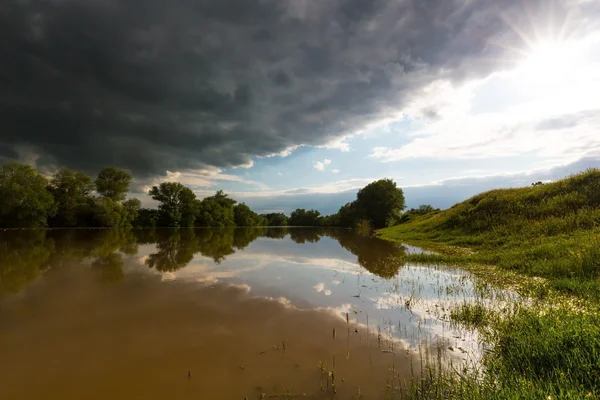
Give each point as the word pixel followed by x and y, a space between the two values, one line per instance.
pixel 24 254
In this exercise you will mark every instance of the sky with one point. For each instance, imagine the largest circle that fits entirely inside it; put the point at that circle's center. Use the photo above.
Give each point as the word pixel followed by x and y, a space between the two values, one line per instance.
pixel 298 103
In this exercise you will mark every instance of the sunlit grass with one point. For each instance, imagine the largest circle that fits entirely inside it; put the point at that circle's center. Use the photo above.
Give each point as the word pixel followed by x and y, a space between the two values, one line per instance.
pixel 530 355
pixel 472 315
pixel 545 241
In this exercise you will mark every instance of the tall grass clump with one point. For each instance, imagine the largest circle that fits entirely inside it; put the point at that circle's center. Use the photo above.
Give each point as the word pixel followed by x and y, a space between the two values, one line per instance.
pixel 471 315
pixel 364 227
pixel 555 351
pixel 530 355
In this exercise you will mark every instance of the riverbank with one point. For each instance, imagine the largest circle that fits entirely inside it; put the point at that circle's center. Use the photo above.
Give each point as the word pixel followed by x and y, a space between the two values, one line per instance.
pixel 544 241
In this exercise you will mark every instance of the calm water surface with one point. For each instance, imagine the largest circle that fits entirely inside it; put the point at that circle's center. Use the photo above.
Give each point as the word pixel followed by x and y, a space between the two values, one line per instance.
pixel 219 314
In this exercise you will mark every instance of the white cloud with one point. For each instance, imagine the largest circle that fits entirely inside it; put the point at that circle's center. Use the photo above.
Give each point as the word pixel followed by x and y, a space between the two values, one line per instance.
pixel 335 171
pixel 513 179
pixel 326 188
pixel 279 174
pixel 168 276
pixel 320 165
pixel 548 110
pixel 205 178
pixel 248 164
pixel 334 144
pixel 284 153
pixel 320 288
pixel 339 144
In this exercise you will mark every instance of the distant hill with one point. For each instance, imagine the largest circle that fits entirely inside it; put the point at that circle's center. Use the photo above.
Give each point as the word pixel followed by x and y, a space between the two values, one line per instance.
pixel 548 209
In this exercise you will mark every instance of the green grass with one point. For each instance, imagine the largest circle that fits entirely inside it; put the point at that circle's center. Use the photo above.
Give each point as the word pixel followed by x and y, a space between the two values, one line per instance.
pixel 559 352
pixel 550 231
pixel 544 240
pixel 471 315
pixel 532 355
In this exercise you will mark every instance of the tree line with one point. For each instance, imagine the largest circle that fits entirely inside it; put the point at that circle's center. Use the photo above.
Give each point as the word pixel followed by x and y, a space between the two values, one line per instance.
pixel 377 205
pixel 73 199
pixel 70 198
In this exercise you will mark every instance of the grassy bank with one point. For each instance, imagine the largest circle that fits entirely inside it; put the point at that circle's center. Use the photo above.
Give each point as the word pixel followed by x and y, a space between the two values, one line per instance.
pixel 550 231
pixel 548 238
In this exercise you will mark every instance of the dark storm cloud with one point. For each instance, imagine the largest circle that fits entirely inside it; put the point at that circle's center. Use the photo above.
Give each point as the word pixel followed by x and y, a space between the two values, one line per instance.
pixel 152 85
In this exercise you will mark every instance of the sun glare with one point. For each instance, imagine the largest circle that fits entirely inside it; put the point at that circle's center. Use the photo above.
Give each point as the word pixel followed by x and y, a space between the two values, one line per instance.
pixel 551 62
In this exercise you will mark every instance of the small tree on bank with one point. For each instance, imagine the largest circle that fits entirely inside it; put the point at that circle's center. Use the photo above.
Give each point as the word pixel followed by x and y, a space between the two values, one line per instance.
pixel 380 202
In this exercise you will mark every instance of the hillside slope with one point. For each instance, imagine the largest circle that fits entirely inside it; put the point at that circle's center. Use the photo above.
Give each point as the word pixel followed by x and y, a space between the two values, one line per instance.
pixel 550 230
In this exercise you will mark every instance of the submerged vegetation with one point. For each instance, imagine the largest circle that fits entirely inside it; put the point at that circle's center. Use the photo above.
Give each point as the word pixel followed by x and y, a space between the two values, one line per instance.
pixel 547 347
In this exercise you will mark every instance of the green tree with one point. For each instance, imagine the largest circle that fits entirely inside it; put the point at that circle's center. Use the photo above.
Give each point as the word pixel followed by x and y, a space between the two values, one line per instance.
pixel 349 215
pixel 244 216
pixel 113 183
pixel 146 218
pixel 131 208
pixel 177 204
pixel 72 193
pixel 302 217
pixel 24 200
pixel 426 209
pixel 216 211
pixel 381 203
pixel 222 198
pixel 214 214
pixel 276 219
pixel 331 220
pixel 413 212
pixel 109 213
pixel 189 207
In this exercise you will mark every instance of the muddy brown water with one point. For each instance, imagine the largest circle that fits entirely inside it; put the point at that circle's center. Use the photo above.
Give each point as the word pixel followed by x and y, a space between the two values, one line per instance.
pixel 217 314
